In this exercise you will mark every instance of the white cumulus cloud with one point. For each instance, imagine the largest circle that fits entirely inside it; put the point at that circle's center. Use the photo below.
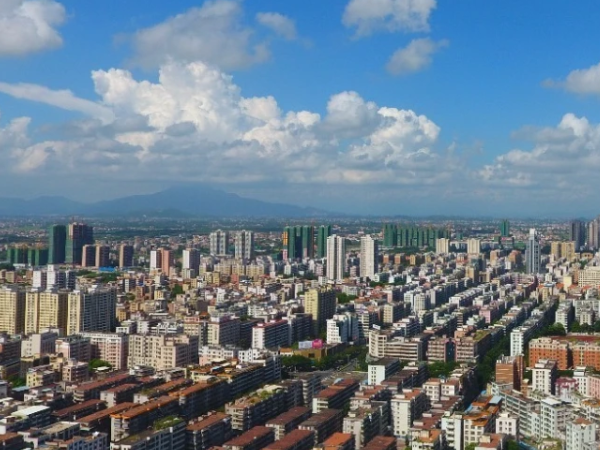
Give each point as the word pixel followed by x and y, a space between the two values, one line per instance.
pixel 416 56
pixel 369 16
pixel 278 23
pixel 213 33
pixel 563 158
pixel 195 124
pixel 29 26
pixel 580 81
pixel 64 99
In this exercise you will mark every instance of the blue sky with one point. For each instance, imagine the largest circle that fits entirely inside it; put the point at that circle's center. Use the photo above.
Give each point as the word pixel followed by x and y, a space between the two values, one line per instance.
pixel 372 106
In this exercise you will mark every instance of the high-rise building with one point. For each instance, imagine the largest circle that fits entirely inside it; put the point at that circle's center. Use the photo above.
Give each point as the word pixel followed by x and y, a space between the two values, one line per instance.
pixel 45 309
pixel 577 233
pixel 593 233
pixel 308 241
pixel 18 254
pixel 163 352
pixel 191 259
pixel 390 235
pixel 414 236
pixel 244 245
pixel 442 246
pixel 92 309
pixel 509 370
pixel 37 256
pixel 473 246
pixel 322 235
pixel 219 243
pixel 336 257
pixel 580 434
pixel 505 228
pixel 12 305
pixel 368 257
pixel 299 241
pixel 126 255
pixel 320 304
pixel 532 253
pixel 110 347
pixel 156 259
pixel 168 261
pixel 78 235
pixel 102 258
pixel 57 241
pixel 88 256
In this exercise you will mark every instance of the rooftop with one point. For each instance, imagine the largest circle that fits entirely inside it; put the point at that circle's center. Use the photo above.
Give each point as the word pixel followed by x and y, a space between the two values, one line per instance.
pixel 207 421
pixel 250 435
pixel 106 412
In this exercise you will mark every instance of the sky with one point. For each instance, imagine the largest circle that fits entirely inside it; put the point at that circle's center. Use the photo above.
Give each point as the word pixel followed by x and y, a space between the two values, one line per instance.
pixel 360 106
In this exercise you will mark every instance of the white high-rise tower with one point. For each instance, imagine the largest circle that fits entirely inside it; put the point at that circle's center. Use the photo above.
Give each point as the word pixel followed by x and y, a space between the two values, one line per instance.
pixel 336 257
pixel 244 245
pixel 219 241
pixel 368 256
pixel 532 252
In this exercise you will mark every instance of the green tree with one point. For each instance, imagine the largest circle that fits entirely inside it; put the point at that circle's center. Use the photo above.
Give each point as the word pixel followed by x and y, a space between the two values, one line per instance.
pixel 344 298
pixel 17 381
pixel 440 368
pixel 297 363
pixel 97 363
pixel 556 329
pixel 177 289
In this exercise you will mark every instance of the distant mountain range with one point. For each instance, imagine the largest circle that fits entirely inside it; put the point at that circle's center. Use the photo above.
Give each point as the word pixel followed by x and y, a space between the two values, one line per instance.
pixel 183 201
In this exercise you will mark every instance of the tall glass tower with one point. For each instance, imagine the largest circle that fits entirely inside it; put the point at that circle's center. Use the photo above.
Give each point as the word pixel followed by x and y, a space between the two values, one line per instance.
pixel 532 253
pixel 57 241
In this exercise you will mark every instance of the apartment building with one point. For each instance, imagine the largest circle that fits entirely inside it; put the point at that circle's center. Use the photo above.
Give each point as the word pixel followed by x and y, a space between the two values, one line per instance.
pixel 110 347
pixel 288 420
pixel 255 439
pixel 382 369
pixel 579 433
pixel 201 398
pixel 364 424
pixel 137 419
pixel 544 375
pixel 320 304
pixel 407 406
pixel 324 424
pixel 208 431
pixel 507 423
pixel 336 396
pixel 12 305
pixel 45 310
pixel 441 349
pixel 547 348
pixel 224 330
pixel 162 352
pixel 256 409
pixel 74 347
pixel 39 344
pixel 296 440
pixel 338 441
pixel 272 335
pixel 167 433
pixel 509 370
pixel 92 309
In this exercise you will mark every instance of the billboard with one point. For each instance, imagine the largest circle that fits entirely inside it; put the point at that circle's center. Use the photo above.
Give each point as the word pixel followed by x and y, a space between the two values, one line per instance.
pixel 317 343
pixel 304 345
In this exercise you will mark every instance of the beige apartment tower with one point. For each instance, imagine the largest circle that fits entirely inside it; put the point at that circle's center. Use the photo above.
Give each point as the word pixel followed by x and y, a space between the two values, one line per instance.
pixel 320 303
pixel 46 309
pixel 12 307
pixel 125 255
pixel 92 309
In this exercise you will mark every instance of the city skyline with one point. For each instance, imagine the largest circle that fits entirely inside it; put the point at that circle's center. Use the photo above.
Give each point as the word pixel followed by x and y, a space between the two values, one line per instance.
pixel 399 105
